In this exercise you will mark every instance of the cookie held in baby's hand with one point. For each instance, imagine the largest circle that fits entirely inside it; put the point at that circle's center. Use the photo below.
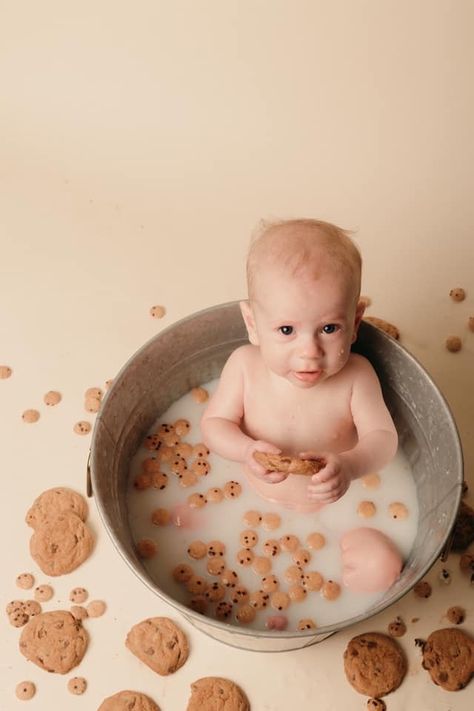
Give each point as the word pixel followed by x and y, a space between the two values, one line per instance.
pixel 289 465
pixel 374 664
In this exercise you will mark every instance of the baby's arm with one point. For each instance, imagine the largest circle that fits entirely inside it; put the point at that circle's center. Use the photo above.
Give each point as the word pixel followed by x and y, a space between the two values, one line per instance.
pixel 220 423
pixel 377 439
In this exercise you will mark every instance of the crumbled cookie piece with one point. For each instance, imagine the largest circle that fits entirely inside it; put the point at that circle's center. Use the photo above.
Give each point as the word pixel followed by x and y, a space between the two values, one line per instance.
pixel 422 589
pixel 43 593
pixel 384 325
pixel 448 655
pixel 376 705
pixel 82 427
pixel 79 612
pixel 445 576
pixel 397 628
pixel 77 685
pixel 466 562
pixel 5 372
pixel 457 294
pixel 159 643
pixel 456 615
pixel 30 416
pixel 453 344
pixel 52 398
pixel 365 301
pixel 25 690
pixel 199 395
pixel 25 581
pixel 374 664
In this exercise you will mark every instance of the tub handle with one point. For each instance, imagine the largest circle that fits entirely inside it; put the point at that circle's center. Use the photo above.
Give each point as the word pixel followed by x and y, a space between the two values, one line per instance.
pixel 89 491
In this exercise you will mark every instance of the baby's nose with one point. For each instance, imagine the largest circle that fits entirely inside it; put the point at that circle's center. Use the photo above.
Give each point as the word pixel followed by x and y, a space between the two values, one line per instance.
pixel 311 348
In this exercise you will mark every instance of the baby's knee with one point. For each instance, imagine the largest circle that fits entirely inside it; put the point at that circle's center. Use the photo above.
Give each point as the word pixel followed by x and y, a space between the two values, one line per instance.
pixel 371 562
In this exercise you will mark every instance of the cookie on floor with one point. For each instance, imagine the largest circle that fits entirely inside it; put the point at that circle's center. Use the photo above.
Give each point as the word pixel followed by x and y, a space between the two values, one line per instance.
pixel 374 664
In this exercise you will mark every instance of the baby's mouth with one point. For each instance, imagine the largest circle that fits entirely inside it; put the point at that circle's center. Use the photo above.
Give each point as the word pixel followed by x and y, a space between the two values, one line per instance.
pixel 308 376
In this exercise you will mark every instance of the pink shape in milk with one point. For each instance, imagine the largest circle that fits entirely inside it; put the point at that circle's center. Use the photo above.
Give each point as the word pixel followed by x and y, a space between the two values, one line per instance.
pixel 371 561
pixel 277 622
pixel 183 516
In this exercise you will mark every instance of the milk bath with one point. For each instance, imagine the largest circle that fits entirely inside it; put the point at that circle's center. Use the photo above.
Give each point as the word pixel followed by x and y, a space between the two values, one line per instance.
pixel 224 522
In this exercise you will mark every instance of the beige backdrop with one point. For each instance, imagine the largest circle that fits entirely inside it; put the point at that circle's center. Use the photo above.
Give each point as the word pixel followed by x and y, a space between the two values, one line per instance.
pixel 140 144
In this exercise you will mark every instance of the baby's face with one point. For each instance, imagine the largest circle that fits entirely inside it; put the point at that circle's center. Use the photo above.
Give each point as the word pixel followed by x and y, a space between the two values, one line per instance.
pixel 303 326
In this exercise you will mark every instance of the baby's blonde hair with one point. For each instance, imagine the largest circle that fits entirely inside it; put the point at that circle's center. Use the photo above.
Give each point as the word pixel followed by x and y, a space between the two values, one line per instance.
pixel 303 246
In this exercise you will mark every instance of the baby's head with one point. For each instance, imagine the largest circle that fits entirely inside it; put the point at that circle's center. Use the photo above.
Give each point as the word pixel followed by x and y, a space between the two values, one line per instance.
pixel 303 308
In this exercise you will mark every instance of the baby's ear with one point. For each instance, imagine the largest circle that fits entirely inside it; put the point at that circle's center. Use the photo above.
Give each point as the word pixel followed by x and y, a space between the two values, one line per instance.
pixel 361 305
pixel 249 320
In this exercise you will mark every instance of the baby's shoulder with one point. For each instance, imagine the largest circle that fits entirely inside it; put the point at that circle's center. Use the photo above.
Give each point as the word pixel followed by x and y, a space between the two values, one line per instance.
pixel 359 365
pixel 243 357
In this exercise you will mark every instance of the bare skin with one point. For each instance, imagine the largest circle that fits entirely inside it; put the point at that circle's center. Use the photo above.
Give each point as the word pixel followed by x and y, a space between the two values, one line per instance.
pixel 298 389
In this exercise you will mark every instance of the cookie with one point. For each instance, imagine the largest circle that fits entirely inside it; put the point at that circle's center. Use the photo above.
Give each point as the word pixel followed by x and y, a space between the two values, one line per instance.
pixel 218 694
pixel 55 641
pixel 25 581
pixel 52 398
pixel 126 700
pixel 25 690
pixel 448 655
pixel 159 643
pixel 77 685
pixel 43 593
pixel 96 608
pixel 61 544
pixel 157 311
pixel 30 416
pixel 374 664
pixel 463 528
pixel 55 501
pixel 5 372
pixel 385 326
pixel 78 595
pixel 289 465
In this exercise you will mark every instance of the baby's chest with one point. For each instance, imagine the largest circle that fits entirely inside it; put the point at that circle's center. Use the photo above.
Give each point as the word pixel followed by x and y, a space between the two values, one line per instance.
pixel 316 421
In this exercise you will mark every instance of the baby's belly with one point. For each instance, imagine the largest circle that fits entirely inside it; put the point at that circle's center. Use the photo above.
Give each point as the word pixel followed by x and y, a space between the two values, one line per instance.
pixel 290 493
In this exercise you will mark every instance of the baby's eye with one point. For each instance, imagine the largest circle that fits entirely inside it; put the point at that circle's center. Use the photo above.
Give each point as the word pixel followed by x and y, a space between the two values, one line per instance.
pixel 286 330
pixel 330 328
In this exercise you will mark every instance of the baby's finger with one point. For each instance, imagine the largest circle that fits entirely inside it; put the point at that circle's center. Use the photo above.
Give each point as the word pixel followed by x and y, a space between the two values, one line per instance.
pixel 324 488
pixel 275 477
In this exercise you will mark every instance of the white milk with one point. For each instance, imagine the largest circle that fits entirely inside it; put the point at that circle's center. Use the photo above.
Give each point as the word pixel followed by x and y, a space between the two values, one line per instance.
pixel 224 521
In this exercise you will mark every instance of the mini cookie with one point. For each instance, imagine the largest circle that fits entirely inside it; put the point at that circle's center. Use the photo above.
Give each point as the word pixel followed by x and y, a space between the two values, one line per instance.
pixel 279 600
pixel 366 509
pixel 188 478
pixel 316 541
pixel 232 490
pixel 143 481
pixel 52 398
pixel 5 372
pixel 294 575
pixel 31 607
pixel 82 427
pixel 53 502
pixel 289 465
pixel 258 599
pixel 290 543
pixel 92 404
pixel 397 628
pixel 215 566
pixel 214 495
pixel 331 590
pixel 18 618
pixel 25 581
pixel 239 595
pixel 296 593
pixel 30 416
pixel 197 549
pixel 271 521
pixel 77 685
pixel 261 565
pixel 457 294
pixel 252 518
pixel 200 451
pixel 385 326
pixel 448 655
pixel 422 589
pixel 301 557
pixel 229 578
pixel 374 664
pixel 223 610
pixel 245 614
pixel 456 615
pixel 376 705
pixel 196 501
pixel 43 593
pixel 371 481
pixel 200 467
pixel 212 692
pixel 93 392
pixel 199 395
pixel 25 690
pixel 96 608
pixel 453 344
pixel 215 592
pixel 306 624
pixel 126 700
pixel 161 517
pixel 398 510
pixel 248 538
pixel 157 311
pixel 55 641
pixel 159 643
pixel 215 548
pixel 182 427
pixel 146 548
pixel 78 595
pixel 61 544
pixel 269 583
pixel 182 573
pixel 159 480
pixel 199 603
pixel 313 581
pixel 271 548
pixel 245 556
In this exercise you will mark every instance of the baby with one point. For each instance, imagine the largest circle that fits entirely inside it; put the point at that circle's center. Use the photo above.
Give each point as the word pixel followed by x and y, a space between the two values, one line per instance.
pixel 298 389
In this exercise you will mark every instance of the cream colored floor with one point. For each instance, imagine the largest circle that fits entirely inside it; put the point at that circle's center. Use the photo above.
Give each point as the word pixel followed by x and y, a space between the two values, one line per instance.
pixel 141 142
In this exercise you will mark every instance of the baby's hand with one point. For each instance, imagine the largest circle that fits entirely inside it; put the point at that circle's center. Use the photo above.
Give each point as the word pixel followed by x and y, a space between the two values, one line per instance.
pixel 256 468
pixel 331 482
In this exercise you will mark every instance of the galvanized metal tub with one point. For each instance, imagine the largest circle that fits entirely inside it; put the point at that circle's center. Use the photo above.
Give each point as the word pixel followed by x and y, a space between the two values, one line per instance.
pixel 193 351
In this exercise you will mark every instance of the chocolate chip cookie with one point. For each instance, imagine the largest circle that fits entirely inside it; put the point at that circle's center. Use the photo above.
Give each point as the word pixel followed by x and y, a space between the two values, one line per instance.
pixel 61 543
pixel 213 692
pixel 159 643
pixel 53 502
pixel 448 655
pixel 55 641
pixel 126 700
pixel 374 664
pixel 289 465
